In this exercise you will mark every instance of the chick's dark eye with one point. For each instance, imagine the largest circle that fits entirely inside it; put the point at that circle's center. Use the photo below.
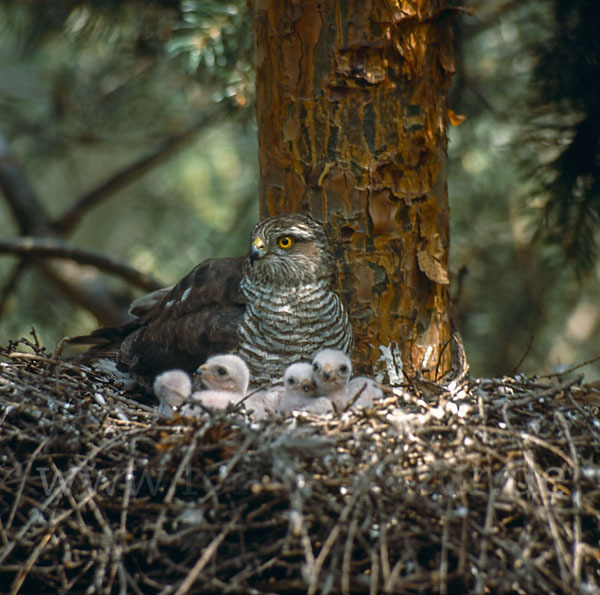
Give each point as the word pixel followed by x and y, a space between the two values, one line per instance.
pixel 285 242
pixel 291 380
pixel 343 368
pixel 221 371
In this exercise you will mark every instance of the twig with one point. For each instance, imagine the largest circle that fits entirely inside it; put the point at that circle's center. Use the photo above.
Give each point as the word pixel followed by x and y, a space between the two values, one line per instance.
pixel 464 533
pixel 24 478
pixel 444 554
pixel 208 553
pixel 335 532
pixel 232 463
pixel 171 492
pixel 487 531
pixel 347 558
pixel 383 548
pixel 374 578
pixel 576 367
pixel 576 495
pixel 462 357
pixel 523 357
pixel 562 556
pixel 35 554
pixel 549 392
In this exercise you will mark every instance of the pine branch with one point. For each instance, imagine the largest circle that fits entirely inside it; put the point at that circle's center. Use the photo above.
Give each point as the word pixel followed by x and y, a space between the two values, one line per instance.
pixel 10 285
pixel 165 149
pixel 27 210
pixel 54 248
pixel 85 293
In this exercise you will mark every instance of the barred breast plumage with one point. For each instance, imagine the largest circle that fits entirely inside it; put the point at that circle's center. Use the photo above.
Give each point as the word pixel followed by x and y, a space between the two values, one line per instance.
pixel 273 306
pixel 286 324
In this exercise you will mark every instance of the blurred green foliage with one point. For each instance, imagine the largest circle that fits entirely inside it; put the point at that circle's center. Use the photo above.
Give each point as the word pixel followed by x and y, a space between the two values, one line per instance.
pixel 88 87
pixel 520 293
pixel 567 81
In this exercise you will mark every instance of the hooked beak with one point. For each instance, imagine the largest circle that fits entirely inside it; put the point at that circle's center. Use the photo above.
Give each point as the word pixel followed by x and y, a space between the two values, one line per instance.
pixel 257 250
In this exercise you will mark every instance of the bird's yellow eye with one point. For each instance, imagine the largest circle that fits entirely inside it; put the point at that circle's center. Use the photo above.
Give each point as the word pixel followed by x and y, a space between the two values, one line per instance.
pixel 285 242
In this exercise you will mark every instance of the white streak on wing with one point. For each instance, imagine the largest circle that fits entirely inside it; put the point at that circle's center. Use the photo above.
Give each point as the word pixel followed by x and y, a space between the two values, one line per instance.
pixel 185 295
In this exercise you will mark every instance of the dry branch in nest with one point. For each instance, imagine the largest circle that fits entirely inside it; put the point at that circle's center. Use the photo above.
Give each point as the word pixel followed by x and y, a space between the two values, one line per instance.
pixel 486 485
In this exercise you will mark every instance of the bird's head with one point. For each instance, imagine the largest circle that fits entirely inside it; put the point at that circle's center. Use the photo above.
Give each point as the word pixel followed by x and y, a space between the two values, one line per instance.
pixel 172 387
pixel 290 250
pixel 227 373
pixel 331 370
pixel 298 378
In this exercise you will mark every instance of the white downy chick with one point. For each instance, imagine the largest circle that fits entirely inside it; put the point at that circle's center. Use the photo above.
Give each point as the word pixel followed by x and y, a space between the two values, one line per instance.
pixel 264 402
pixel 226 378
pixel 332 371
pixel 299 391
pixel 172 388
pixel 368 395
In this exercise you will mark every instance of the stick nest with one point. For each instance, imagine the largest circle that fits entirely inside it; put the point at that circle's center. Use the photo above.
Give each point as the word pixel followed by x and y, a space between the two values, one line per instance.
pixel 473 485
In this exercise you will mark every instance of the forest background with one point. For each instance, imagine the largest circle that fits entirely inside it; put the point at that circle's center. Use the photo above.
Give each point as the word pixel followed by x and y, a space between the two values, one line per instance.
pixel 137 120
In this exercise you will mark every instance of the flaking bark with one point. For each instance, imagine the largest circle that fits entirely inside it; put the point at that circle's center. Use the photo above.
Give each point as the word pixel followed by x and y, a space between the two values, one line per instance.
pixel 351 111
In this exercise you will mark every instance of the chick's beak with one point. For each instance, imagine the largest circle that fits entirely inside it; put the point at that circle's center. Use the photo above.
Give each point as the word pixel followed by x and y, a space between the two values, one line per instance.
pixel 205 376
pixel 257 250
pixel 198 379
pixel 307 386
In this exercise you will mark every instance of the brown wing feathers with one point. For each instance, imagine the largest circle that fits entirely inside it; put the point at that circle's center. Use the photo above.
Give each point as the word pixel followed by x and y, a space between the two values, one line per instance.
pixel 197 318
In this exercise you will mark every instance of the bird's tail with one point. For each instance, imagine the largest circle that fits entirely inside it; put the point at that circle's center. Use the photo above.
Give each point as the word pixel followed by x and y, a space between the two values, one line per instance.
pixel 103 342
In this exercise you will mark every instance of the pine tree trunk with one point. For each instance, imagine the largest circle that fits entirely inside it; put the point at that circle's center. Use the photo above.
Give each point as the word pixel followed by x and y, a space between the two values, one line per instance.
pixel 351 111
